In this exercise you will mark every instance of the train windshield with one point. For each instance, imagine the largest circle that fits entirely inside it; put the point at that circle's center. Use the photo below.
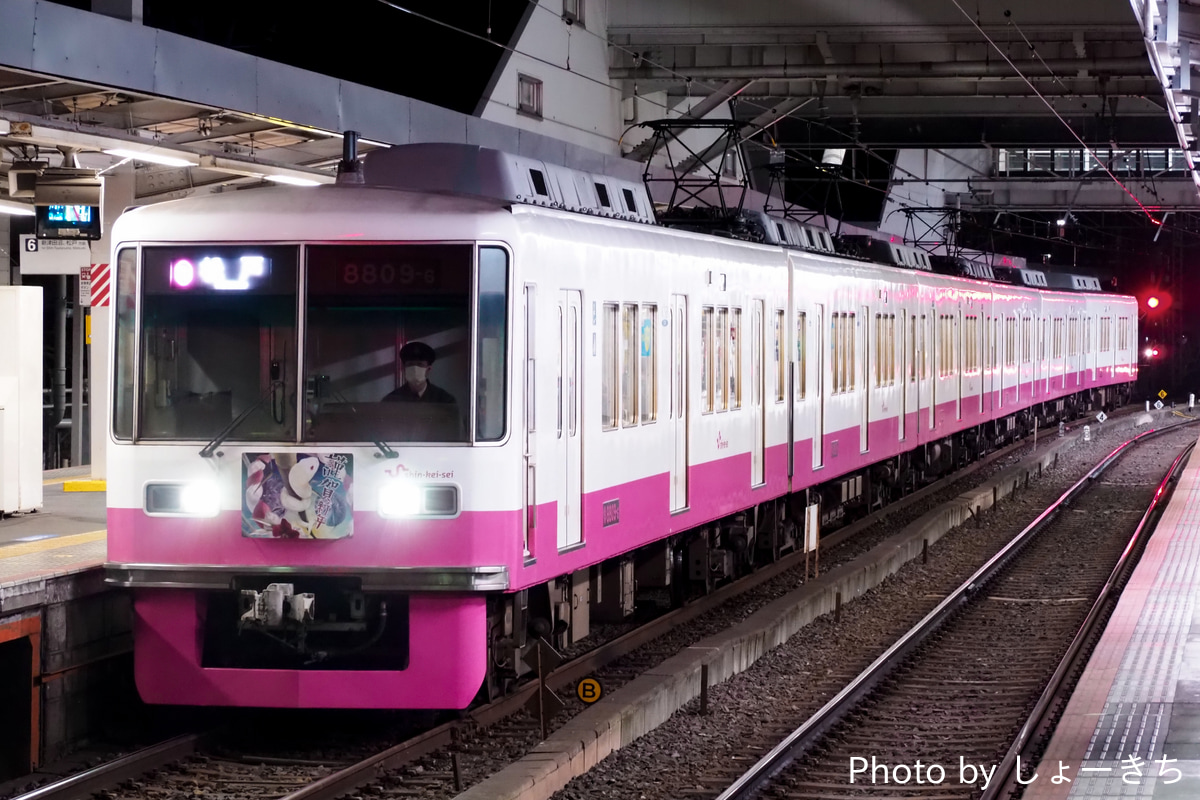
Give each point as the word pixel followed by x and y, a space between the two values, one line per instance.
pixel 388 344
pixel 218 340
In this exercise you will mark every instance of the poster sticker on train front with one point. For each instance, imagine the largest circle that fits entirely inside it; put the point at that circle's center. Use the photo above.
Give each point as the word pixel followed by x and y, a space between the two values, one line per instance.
pixel 297 495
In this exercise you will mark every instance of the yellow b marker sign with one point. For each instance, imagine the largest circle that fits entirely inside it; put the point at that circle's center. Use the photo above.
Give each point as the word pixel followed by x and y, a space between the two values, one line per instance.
pixel 1162 393
pixel 588 690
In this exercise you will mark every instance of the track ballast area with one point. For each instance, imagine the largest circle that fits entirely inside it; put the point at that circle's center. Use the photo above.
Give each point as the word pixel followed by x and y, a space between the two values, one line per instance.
pixel 935 714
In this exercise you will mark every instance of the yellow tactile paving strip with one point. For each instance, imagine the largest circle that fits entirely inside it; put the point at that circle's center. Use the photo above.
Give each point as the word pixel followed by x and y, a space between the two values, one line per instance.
pixel 52 556
pixel 25 548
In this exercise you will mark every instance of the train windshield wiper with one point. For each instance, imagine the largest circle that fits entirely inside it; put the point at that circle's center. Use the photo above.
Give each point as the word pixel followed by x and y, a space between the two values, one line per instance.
pixel 387 451
pixel 211 448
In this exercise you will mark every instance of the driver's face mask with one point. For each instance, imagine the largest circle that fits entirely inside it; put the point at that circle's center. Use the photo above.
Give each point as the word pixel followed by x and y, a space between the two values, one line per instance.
pixel 415 374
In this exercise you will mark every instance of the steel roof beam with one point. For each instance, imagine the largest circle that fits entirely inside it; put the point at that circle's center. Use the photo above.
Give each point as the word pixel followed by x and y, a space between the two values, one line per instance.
pixel 1135 67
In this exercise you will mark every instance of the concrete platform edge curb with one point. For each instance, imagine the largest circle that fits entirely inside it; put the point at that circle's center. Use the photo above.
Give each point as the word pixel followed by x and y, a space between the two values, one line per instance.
pixel 651 699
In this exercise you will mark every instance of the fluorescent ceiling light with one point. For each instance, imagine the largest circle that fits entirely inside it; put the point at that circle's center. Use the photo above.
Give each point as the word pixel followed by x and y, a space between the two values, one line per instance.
pixel 152 157
pixel 15 209
pixel 292 180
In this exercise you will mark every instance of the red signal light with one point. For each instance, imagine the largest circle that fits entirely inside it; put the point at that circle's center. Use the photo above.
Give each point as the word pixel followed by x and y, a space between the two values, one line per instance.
pixel 1152 302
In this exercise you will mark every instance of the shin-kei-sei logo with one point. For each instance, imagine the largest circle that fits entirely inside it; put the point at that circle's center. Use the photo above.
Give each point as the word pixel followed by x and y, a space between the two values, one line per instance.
pixel 401 471
pixel 722 442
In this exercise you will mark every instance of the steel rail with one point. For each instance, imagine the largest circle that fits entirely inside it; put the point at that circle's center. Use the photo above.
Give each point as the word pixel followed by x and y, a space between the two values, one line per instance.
pixel 442 736
pixel 349 778
pixel 804 737
pixel 1058 692
pixel 112 773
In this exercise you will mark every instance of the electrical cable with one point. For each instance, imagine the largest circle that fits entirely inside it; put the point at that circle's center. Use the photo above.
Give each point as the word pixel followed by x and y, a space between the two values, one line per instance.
pixel 1054 111
pixel 675 73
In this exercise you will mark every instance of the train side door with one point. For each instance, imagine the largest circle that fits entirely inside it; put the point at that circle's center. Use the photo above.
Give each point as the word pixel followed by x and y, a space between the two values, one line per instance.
pixel 757 380
pixel 1045 362
pixel 936 345
pixel 570 392
pixel 1090 348
pixel 864 441
pixel 679 403
pixel 958 362
pixel 530 419
pixel 818 384
pixel 903 377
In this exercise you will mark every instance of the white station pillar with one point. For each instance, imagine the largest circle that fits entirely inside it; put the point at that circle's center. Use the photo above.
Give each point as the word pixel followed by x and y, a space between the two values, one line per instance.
pixel 117 195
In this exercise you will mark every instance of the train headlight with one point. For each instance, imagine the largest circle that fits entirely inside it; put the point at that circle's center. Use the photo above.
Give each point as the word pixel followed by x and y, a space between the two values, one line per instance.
pixel 191 499
pixel 401 499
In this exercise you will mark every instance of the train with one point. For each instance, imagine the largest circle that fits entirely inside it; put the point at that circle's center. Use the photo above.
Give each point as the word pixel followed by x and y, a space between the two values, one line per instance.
pixel 369 441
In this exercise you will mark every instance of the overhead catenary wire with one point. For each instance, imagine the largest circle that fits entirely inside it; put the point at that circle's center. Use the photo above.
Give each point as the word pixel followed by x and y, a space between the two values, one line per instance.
pixel 509 48
pixel 1054 111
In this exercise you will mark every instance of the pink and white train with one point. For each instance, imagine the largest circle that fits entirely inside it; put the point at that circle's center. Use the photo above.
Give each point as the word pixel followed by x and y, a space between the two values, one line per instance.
pixel 634 407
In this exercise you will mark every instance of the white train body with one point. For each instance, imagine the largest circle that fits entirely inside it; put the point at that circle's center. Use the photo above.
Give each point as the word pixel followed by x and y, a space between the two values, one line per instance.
pixel 657 386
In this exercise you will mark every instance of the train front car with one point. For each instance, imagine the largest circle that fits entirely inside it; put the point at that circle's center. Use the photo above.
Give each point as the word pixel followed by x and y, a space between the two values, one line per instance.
pixel 309 487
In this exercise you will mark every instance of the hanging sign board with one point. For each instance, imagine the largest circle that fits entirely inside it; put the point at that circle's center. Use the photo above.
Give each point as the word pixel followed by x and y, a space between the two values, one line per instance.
pixel 53 256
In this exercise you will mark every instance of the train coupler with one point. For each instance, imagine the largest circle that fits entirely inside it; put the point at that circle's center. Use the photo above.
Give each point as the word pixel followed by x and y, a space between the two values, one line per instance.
pixel 276 607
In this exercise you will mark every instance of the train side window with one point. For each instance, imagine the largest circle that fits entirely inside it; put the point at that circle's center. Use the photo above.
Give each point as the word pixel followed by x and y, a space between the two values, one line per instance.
pixel 971 346
pixel 968 343
pixel 780 360
pixel 490 412
pixel 558 371
pixel 926 331
pixel 735 360
pixel 125 306
pixel 880 372
pixel 941 354
pixel 608 402
pixel 836 332
pixel 891 349
pixel 1010 342
pixel 706 358
pixel 851 360
pixel 719 356
pixel 837 350
pixel 802 353
pixel 648 360
pixel 912 349
pixel 629 359
pixel 945 345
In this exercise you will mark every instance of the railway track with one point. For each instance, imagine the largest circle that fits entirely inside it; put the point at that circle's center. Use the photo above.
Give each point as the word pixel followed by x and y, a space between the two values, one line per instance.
pixel 192 764
pixel 978 680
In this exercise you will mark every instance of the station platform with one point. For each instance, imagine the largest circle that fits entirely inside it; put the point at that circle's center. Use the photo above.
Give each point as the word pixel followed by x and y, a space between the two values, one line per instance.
pixel 65 636
pixel 65 536
pixel 1132 726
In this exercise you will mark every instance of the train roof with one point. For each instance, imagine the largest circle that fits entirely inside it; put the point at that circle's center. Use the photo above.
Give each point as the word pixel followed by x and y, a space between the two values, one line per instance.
pixel 340 212
pixel 434 180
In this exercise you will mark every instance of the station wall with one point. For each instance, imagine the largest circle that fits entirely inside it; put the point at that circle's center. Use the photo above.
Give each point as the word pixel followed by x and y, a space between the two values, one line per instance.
pixel 579 105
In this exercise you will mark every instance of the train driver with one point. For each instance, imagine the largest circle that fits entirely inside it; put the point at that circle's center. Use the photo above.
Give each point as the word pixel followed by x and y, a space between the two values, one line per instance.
pixel 416 360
